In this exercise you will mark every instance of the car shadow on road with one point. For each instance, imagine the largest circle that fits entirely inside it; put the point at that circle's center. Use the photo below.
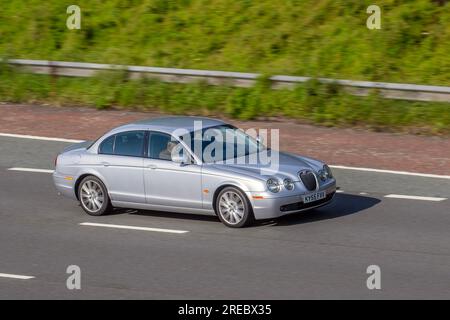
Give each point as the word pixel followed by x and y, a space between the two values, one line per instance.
pixel 165 214
pixel 342 205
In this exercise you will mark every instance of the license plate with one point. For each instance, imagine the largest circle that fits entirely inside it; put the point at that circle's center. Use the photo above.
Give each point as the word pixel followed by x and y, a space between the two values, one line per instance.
pixel 314 197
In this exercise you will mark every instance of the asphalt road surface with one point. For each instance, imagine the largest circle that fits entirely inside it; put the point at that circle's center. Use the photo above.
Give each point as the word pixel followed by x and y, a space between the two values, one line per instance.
pixel 322 254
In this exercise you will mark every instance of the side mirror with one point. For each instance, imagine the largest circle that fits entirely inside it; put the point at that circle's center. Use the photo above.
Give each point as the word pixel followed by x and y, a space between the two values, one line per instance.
pixel 259 139
pixel 182 159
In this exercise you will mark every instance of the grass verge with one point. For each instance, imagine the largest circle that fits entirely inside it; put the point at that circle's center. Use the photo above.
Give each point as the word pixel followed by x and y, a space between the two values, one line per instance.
pixel 311 102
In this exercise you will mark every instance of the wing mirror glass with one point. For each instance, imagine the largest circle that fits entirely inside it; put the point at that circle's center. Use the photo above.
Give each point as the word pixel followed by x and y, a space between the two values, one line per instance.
pixel 181 157
pixel 260 140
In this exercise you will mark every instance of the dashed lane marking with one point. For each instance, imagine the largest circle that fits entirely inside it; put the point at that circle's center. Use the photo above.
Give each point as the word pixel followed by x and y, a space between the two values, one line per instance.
pixel 402 196
pixel 15 276
pixel 132 227
pixel 416 174
pixel 26 136
pixel 31 170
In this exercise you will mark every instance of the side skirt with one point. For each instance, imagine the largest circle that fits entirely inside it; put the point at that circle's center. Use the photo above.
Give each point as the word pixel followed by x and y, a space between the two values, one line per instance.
pixel 148 206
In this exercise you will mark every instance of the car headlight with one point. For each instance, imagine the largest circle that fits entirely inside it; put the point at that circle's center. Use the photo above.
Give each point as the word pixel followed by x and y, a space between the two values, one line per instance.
pixel 288 184
pixel 323 175
pixel 273 185
pixel 328 170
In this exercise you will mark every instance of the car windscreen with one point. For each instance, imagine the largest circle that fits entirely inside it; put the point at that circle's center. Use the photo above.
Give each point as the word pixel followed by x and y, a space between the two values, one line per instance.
pixel 221 143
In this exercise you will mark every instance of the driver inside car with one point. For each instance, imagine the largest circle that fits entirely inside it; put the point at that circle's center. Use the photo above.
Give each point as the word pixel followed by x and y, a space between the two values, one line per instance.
pixel 166 153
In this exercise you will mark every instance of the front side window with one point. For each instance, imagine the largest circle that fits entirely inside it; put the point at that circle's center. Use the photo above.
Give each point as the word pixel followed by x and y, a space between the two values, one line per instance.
pixel 161 146
pixel 129 143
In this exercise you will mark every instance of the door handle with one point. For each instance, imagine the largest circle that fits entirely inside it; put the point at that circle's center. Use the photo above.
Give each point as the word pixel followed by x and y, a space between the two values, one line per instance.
pixel 152 166
pixel 105 164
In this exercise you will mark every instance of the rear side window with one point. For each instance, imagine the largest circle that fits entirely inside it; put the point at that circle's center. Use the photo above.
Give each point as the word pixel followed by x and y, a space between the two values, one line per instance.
pixel 129 143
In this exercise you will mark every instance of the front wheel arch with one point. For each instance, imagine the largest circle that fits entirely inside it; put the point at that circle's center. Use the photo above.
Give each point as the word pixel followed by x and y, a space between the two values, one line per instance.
pixel 250 216
pixel 220 188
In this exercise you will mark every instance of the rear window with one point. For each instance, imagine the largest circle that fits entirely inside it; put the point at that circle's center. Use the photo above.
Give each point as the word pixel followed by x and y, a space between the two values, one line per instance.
pixel 107 146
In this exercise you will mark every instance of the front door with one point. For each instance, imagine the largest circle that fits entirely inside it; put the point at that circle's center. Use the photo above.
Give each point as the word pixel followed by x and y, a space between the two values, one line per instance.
pixel 168 183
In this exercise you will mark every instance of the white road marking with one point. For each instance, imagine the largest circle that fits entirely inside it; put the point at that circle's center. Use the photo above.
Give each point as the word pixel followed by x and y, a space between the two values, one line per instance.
pixel 402 196
pixel 425 175
pixel 15 276
pixel 339 191
pixel 31 170
pixel 132 227
pixel 25 136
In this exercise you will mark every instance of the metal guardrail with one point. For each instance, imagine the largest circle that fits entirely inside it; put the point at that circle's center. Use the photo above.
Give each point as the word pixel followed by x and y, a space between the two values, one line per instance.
pixel 82 69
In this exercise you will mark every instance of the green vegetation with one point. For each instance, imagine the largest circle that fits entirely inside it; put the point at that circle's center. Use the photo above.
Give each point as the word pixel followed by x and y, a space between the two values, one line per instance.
pixel 311 102
pixel 317 38
pixel 314 38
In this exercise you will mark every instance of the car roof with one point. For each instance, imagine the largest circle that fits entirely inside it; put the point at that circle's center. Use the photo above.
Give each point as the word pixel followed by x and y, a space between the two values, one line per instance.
pixel 169 124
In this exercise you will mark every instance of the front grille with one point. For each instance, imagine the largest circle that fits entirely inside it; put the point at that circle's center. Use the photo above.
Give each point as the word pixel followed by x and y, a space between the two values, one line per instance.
pixel 302 206
pixel 309 180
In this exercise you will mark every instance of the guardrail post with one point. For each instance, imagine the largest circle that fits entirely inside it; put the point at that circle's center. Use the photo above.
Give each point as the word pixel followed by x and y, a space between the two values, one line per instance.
pixel 53 78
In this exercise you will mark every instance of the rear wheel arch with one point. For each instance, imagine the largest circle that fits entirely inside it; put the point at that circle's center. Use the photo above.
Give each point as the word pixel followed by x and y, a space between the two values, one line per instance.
pixel 80 178
pixel 94 199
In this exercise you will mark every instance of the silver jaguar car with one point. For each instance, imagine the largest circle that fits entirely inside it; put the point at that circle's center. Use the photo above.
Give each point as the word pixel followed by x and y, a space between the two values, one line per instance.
pixel 191 165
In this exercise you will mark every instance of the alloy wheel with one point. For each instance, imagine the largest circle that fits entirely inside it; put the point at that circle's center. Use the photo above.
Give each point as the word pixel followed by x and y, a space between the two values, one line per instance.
pixel 231 207
pixel 92 196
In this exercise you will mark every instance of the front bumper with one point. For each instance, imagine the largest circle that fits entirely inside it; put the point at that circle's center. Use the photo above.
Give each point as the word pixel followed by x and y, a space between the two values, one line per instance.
pixel 273 207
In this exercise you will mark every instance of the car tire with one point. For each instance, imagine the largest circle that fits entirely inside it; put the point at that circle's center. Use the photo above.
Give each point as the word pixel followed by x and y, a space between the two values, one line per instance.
pixel 93 196
pixel 233 208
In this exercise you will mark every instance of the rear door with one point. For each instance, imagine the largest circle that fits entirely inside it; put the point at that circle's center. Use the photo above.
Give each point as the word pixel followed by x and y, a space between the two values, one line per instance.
pixel 121 158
